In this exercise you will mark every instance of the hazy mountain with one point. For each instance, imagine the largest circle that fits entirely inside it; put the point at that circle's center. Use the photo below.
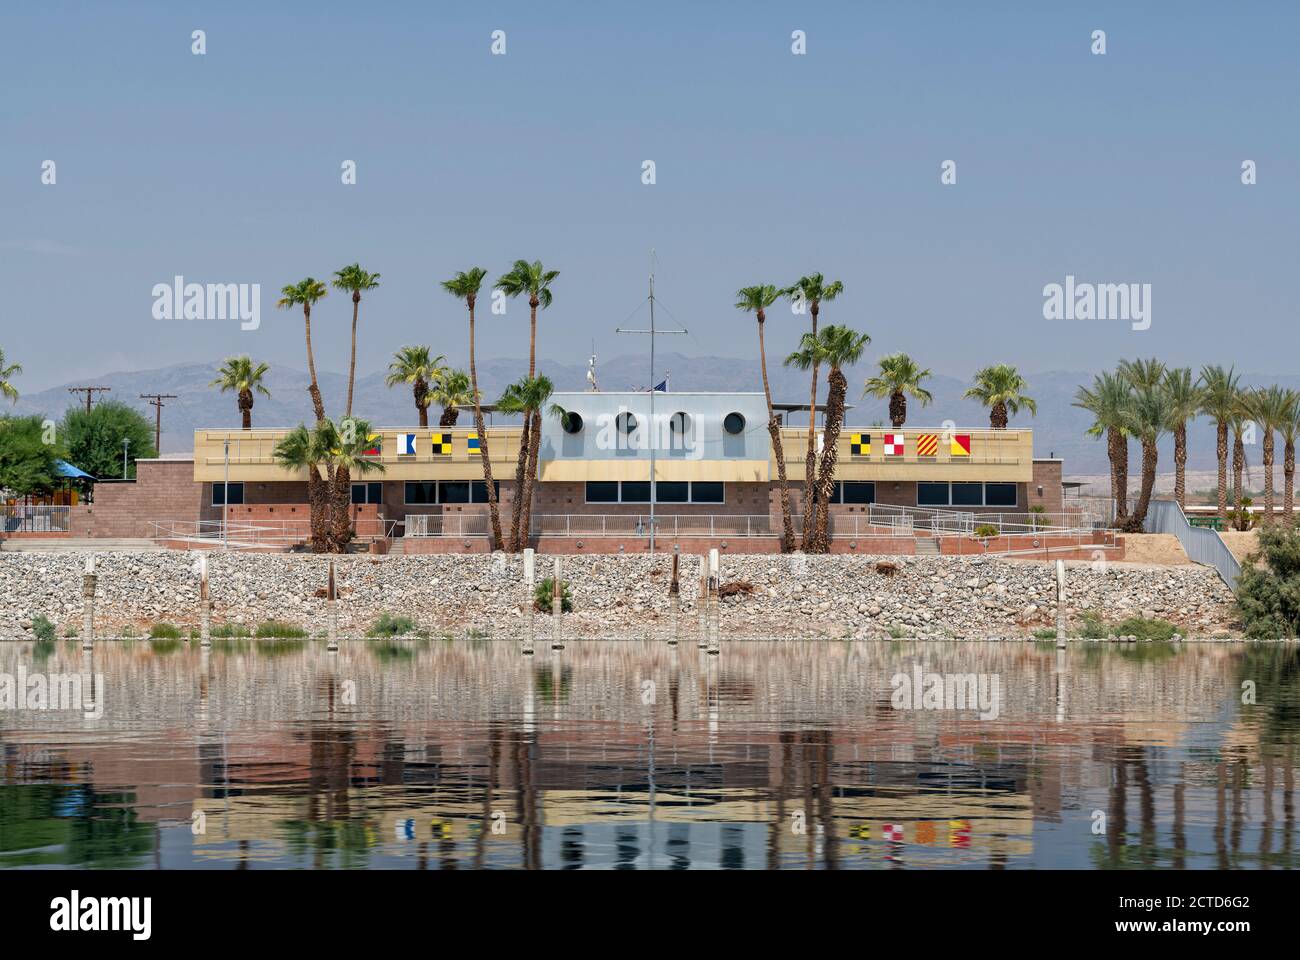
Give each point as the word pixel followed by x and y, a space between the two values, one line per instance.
pixel 1059 427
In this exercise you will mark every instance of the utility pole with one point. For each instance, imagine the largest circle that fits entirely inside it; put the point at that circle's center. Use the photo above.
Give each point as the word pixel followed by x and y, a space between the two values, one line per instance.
pixel 156 401
pixel 653 433
pixel 89 392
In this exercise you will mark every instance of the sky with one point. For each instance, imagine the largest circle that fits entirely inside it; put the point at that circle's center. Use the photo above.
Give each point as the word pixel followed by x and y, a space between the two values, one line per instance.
pixel 226 168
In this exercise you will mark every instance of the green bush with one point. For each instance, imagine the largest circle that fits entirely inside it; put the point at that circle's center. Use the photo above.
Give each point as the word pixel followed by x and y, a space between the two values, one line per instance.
pixel 226 631
pixel 1046 633
pixel 1268 593
pixel 544 598
pixel 1145 629
pixel 1091 627
pixel 277 630
pixel 986 530
pixel 43 629
pixel 390 626
pixel 164 631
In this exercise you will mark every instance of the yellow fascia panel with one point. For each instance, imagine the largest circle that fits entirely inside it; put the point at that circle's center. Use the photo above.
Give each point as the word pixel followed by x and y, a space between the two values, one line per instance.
pixel 727 471
pixel 996 455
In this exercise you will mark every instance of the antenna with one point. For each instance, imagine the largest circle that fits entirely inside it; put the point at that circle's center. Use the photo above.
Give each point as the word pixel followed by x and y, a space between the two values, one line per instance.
pixel 652 332
pixel 156 401
pixel 89 392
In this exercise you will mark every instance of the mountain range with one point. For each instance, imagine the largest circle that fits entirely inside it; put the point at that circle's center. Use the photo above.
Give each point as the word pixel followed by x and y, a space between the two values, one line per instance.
pixel 1059 427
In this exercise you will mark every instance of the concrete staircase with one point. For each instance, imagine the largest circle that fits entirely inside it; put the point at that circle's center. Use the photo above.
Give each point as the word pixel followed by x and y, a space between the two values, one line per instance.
pixel 927 546
pixel 75 544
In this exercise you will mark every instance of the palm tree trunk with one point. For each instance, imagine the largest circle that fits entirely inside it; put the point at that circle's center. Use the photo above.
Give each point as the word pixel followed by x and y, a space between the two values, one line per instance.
pixel 837 387
pixel 421 391
pixel 1221 451
pixel 352 361
pixel 1180 465
pixel 998 416
pixel 897 409
pixel 532 336
pixel 534 447
pixel 494 510
pixel 246 408
pixel 1268 473
pixel 1238 465
pixel 1149 454
pixel 449 417
pixel 1117 448
pixel 340 510
pixel 318 500
pixel 313 388
pixel 810 458
pixel 774 429
pixel 520 465
pixel 1288 482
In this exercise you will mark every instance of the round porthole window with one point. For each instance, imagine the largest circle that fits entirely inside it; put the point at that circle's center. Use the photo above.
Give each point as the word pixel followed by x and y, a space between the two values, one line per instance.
pixel 572 422
pixel 679 423
pixel 733 423
pixel 625 422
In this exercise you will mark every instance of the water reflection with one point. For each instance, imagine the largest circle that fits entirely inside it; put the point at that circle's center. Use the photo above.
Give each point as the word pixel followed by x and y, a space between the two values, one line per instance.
pixel 459 755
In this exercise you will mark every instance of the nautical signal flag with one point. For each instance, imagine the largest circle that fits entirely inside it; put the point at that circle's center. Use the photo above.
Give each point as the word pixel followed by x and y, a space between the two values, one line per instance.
pixel 404 829
pixel 860 444
pixel 959 446
pixel 374 445
pixel 894 444
pixel 927 445
pixel 441 444
pixel 892 832
pixel 406 444
pixel 473 442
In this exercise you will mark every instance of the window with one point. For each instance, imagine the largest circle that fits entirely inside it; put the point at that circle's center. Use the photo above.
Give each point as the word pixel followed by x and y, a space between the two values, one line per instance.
pixel 967 494
pixel 679 423
pixel 219 494
pixel 367 493
pixel 453 491
pixel 479 491
pixel 859 491
pixel 1000 494
pixel 421 492
pixel 672 491
pixel 571 422
pixel 636 491
pixel 733 423
pixel 625 422
pixel 602 491
pixel 709 491
pixel 932 494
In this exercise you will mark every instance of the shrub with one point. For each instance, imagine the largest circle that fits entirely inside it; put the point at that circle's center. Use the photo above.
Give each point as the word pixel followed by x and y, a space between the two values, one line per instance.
pixel 390 626
pixel 543 596
pixel 225 631
pixel 1091 627
pixel 1145 629
pixel 1268 593
pixel 1045 633
pixel 985 530
pixel 43 629
pixel 1242 519
pixel 164 631
pixel 277 630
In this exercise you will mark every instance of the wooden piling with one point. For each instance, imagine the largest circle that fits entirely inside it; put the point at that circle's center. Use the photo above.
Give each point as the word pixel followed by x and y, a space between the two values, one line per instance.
pixel 557 608
pixel 1060 603
pixel 205 604
pixel 530 598
pixel 88 584
pixel 714 601
pixel 675 599
pixel 332 611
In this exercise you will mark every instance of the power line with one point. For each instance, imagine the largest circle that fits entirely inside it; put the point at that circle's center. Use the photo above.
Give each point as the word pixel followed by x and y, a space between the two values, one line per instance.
pixel 156 401
pixel 89 392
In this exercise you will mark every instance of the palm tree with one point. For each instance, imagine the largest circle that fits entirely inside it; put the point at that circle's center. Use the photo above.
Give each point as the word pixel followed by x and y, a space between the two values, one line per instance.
pixel 1147 418
pixel 304 449
pixel 355 279
pixel 534 280
pixel 7 389
pixel 899 375
pixel 812 290
pixel 1185 397
pixel 527 397
pixel 1143 373
pixel 756 300
pixel 465 286
pixel 837 347
pixel 1270 407
pixel 1219 389
pixel 450 392
pixel 1240 416
pixel 1108 401
pixel 305 293
pixel 1001 388
pixel 239 374
pixel 348 440
pixel 1289 427
pixel 416 366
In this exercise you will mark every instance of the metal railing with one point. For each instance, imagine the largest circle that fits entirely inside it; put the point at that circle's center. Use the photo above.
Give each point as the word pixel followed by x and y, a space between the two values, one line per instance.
pixel 261 533
pixel 1202 544
pixel 34 518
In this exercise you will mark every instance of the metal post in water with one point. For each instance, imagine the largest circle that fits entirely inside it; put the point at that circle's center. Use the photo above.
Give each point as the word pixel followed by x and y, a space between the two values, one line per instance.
pixel 675 599
pixel 88 583
pixel 205 604
pixel 1060 603
pixel 332 612
pixel 557 609
pixel 714 601
pixel 530 595
pixel 702 605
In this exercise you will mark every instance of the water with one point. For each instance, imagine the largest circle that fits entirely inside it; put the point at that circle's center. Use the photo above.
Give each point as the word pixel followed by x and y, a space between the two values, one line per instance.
pixel 454 755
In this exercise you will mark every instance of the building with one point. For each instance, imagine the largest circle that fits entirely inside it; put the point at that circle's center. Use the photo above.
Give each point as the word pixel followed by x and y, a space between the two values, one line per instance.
pixel 715 478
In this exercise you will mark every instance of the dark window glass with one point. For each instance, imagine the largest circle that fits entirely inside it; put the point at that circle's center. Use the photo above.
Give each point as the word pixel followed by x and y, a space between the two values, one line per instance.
pixel 636 491
pixel 374 493
pixel 837 492
pixel 859 491
pixel 706 491
pixel 1000 494
pixel 733 423
pixel 478 490
pixel 219 494
pixel 421 492
pixel 572 423
pixel 602 491
pixel 453 491
pixel 932 494
pixel 672 491
pixel 967 494
pixel 358 493
pixel 625 422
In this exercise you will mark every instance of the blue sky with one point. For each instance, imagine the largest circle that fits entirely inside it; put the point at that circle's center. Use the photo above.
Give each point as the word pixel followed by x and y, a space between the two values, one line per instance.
pixel 226 168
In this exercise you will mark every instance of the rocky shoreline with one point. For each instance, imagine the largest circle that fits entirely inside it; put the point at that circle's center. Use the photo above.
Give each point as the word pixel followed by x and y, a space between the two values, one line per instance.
pixel 614 596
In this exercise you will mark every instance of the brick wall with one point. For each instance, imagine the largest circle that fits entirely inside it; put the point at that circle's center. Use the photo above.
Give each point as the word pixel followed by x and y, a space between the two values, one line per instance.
pixel 163 490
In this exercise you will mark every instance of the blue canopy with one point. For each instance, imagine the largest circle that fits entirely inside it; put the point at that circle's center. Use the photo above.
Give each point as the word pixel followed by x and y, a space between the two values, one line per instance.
pixel 68 470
